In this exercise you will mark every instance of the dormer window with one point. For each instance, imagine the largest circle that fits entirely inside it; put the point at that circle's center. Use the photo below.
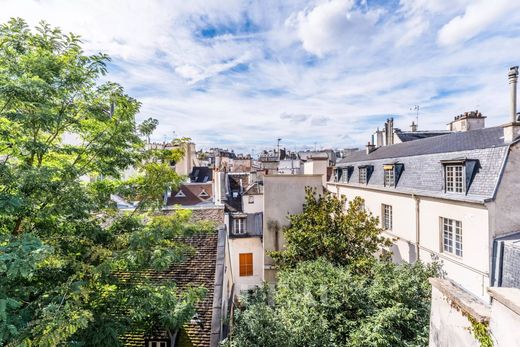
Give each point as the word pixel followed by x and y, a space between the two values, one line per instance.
pixel 203 194
pixel 363 175
pixel 392 173
pixel 459 174
pixel 180 194
pixel 454 178
pixel 389 176
pixel 365 172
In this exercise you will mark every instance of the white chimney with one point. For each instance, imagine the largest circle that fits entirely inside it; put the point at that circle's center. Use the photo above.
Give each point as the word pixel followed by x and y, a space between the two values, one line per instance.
pixel 513 78
pixel 512 129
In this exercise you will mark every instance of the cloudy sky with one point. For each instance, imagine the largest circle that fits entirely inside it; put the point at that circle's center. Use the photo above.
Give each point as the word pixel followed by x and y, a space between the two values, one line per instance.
pixel 240 74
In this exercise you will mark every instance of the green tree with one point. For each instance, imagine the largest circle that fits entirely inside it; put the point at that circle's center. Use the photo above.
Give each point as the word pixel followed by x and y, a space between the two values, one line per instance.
pixel 325 229
pixel 318 303
pixel 147 127
pixel 72 269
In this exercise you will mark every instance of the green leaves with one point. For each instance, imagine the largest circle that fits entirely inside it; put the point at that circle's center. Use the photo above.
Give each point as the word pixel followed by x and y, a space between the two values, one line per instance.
pixel 71 265
pixel 325 230
pixel 321 304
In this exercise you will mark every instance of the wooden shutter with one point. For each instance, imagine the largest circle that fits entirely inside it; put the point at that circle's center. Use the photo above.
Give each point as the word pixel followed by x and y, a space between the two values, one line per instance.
pixel 246 264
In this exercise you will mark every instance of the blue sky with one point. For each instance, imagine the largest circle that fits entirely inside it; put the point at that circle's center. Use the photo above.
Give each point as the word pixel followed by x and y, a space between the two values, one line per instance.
pixel 241 74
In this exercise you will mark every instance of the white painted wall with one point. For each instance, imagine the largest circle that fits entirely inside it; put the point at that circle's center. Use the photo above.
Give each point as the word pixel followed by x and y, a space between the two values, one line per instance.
pixel 246 245
pixel 256 206
pixel 316 167
pixel 471 271
pixel 448 326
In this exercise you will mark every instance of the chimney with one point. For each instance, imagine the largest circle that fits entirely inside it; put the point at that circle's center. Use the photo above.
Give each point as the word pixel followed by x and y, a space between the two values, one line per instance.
pixel 370 148
pixel 512 129
pixel 513 78
pixel 414 127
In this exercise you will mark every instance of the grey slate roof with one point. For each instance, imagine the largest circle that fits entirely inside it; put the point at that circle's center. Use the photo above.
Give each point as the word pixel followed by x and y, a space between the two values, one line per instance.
pixel 406 136
pixel 423 171
pixel 453 142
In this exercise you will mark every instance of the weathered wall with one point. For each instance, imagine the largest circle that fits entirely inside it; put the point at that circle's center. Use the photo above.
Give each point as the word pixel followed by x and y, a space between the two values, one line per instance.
pixel 506 218
pixel 505 316
pixel 246 245
pixel 317 167
pixel 455 313
pixel 283 195
pixel 256 206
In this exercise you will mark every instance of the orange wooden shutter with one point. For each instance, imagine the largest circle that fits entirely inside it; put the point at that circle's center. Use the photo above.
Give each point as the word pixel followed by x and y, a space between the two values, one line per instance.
pixel 246 264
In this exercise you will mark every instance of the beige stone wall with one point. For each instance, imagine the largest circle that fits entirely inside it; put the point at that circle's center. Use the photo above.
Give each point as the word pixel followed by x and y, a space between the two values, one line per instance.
pixel 246 245
pixel 283 195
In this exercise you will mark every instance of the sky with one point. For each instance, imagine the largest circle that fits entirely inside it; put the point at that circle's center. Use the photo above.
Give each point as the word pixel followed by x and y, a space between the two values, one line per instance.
pixel 317 74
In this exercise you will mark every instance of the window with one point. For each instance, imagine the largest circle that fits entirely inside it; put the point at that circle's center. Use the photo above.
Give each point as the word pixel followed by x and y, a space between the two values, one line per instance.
pixel 454 178
pixel 180 194
pixel 203 193
pixel 251 199
pixel 389 176
pixel 245 264
pixel 363 175
pixel 452 236
pixel 386 216
pixel 157 343
pixel 238 225
pixel 345 175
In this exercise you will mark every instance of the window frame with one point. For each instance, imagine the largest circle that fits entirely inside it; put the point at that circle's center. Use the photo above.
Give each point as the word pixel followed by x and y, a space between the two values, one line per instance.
pixel 451 236
pixel 387 170
pixel 387 216
pixel 238 225
pixel 454 180
pixel 363 170
pixel 245 264
pixel 251 199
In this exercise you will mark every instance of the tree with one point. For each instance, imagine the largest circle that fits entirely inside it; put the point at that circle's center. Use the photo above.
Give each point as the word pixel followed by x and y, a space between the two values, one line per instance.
pixel 147 127
pixel 72 269
pixel 318 303
pixel 325 229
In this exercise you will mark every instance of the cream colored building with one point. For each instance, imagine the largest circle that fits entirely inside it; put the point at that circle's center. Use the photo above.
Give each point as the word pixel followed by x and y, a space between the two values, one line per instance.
pixel 442 198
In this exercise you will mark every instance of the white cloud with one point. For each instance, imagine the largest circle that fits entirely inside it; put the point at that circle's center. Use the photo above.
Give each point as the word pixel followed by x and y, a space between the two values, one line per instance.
pixel 478 16
pixel 331 26
pixel 253 80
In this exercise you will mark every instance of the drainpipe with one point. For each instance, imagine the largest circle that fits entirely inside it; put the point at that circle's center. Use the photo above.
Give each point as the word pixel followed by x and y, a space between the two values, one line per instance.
pixel 417 226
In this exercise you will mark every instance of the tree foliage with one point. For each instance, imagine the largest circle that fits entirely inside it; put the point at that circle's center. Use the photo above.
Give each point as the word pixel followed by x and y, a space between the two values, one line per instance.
pixel 318 303
pixel 72 269
pixel 325 229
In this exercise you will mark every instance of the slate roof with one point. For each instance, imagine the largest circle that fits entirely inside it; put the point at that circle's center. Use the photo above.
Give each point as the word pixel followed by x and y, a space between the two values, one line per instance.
pixel 452 142
pixel 423 171
pixel 193 194
pixel 406 136
pixel 201 174
pixel 254 189
pixel 197 270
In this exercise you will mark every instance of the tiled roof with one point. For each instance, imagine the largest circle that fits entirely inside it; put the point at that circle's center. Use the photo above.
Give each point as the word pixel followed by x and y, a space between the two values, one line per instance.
pixel 423 170
pixel 190 194
pixel 198 270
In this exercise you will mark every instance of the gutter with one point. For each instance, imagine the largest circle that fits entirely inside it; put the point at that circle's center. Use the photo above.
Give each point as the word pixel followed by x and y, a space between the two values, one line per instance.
pixel 417 226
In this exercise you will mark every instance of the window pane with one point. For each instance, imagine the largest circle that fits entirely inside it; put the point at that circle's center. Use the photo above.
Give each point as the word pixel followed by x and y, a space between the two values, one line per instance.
pixel 452 236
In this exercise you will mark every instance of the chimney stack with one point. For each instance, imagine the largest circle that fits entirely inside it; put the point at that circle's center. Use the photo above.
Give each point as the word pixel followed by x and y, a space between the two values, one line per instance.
pixel 513 78
pixel 512 129
pixel 414 127
pixel 370 148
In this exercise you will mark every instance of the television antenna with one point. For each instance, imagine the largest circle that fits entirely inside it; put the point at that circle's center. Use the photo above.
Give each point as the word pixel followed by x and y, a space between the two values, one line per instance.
pixel 416 108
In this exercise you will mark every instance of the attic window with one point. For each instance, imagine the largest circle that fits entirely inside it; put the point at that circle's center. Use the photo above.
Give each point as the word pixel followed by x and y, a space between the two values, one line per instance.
pixel 365 172
pixel 180 194
pixel 203 194
pixel 459 174
pixel 392 173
